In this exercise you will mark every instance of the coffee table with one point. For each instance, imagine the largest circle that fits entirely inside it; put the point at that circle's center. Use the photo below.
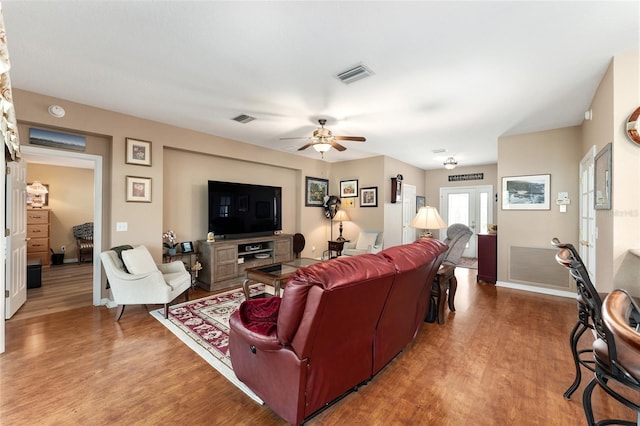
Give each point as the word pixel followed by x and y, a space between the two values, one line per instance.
pixel 275 274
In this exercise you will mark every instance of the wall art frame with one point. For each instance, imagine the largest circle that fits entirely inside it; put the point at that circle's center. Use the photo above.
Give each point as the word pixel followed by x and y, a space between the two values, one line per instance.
pixel 138 152
pixel 420 202
pixel 602 179
pixel 531 192
pixel 138 189
pixel 315 191
pixel 349 188
pixel 369 197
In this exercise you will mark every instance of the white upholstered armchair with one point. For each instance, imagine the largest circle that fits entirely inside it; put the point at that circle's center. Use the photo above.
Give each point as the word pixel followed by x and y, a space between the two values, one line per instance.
pixel 142 281
pixel 367 242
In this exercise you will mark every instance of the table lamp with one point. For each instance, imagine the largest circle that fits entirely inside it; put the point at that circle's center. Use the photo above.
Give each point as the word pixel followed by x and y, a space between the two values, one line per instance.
pixel 428 218
pixel 341 215
pixel 37 190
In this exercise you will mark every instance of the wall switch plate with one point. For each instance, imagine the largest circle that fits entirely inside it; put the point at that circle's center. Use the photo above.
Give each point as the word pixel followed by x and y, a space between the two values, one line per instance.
pixel 121 226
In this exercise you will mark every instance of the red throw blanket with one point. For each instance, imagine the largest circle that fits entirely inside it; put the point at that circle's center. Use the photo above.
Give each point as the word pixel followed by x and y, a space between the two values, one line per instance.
pixel 260 315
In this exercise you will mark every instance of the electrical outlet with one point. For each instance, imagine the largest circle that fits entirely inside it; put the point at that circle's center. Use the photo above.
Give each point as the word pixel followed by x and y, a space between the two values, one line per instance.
pixel 63 248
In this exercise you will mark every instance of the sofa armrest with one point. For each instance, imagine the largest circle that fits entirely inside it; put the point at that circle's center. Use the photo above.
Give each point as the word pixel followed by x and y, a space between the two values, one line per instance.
pixel 263 342
pixel 375 249
pixel 171 267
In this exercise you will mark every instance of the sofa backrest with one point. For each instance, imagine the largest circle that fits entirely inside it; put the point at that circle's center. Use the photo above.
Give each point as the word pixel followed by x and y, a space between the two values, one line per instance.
pixel 406 306
pixel 329 314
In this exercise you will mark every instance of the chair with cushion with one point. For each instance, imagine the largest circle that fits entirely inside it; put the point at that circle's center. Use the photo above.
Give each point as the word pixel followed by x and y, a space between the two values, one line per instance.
pixel 589 307
pixel 458 235
pixel 617 356
pixel 84 241
pixel 367 242
pixel 135 279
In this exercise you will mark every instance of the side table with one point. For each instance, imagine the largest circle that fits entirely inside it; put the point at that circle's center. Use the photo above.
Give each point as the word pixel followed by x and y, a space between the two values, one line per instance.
pixel 337 247
pixel 445 280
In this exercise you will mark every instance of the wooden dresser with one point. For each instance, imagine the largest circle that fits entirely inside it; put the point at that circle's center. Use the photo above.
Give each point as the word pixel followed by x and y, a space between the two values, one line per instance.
pixel 38 232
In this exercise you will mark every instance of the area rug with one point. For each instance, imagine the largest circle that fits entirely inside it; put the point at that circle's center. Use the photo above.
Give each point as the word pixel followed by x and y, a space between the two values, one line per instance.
pixel 203 325
pixel 468 262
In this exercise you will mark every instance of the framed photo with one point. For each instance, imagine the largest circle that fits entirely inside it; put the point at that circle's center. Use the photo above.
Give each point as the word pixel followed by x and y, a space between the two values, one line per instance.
pixel 369 197
pixel 138 189
pixel 186 247
pixel 43 197
pixel 315 191
pixel 420 202
pixel 348 188
pixel 602 176
pixel 138 152
pixel 526 192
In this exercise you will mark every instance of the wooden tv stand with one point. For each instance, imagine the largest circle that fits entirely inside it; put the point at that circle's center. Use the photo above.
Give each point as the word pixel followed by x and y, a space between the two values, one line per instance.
pixel 224 261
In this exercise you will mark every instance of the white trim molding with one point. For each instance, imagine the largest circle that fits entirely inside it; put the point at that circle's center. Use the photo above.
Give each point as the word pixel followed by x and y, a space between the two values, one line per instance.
pixel 534 289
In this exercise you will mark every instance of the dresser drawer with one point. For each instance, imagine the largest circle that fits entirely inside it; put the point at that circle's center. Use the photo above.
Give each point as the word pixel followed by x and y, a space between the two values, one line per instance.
pixel 37 216
pixel 44 258
pixel 38 231
pixel 35 245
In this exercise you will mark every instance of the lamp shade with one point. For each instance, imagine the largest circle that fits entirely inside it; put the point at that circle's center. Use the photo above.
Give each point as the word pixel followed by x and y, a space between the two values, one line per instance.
pixel 341 215
pixel 36 188
pixel 428 218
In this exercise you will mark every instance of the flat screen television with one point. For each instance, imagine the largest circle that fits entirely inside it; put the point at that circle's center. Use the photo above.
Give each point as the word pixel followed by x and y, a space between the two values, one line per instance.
pixel 239 210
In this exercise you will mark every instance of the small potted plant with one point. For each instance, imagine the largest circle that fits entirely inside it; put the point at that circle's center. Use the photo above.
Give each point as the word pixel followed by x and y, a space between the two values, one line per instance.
pixel 170 241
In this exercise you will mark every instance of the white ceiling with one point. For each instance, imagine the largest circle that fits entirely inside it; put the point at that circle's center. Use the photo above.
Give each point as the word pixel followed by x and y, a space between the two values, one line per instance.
pixel 448 75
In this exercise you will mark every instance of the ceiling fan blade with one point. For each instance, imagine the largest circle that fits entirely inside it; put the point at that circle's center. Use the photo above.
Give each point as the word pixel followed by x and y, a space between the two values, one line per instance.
pixel 337 146
pixel 297 137
pixel 305 146
pixel 350 138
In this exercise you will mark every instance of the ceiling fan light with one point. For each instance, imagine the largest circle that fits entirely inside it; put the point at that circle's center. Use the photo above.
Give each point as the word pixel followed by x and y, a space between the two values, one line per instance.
pixel 450 163
pixel 322 147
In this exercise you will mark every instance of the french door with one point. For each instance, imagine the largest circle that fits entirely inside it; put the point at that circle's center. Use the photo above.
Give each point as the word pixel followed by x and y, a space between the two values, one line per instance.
pixel 587 246
pixel 469 205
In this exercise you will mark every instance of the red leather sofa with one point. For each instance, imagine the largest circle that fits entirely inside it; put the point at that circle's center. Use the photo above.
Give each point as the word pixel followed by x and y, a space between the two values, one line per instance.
pixel 338 323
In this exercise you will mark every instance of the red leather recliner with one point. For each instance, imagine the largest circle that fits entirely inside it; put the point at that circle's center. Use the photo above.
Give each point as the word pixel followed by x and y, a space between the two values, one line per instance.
pixel 335 327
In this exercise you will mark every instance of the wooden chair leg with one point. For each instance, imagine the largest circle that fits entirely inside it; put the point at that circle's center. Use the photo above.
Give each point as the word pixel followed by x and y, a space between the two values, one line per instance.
pixel 166 311
pixel 453 287
pixel 119 312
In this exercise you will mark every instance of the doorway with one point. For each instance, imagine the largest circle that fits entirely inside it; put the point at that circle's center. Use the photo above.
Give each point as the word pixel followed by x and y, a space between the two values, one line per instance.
pixel 587 245
pixel 31 154
pixel 469 205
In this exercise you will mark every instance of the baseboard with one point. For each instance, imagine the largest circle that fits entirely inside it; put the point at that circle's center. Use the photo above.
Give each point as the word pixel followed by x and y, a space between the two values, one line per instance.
pixel 72 260
pixel 533 289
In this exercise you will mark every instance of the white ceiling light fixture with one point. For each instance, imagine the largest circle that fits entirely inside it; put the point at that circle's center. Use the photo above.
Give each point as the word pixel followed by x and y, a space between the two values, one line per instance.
pixel 56 111
pixel 450 163
pixel 322 147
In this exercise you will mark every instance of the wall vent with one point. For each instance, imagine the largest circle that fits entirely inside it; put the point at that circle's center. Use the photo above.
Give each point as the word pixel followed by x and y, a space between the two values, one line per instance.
pixel 354 74
pixel 537 266
pixel 243 118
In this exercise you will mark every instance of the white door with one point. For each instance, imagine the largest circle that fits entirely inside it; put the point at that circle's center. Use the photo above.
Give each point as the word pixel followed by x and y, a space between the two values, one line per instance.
pixel 16 223
pixel 469 205
pixel 408 213
pixel 587 245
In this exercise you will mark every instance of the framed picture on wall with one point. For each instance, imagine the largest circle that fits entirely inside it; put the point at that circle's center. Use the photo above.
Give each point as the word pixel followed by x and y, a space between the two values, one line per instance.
pixel 315 191
pixel 526 192
pixel 348 188
pixel 138 189
pixel 369 197
pixel 602 177
pixel 420 202
pixel 138 152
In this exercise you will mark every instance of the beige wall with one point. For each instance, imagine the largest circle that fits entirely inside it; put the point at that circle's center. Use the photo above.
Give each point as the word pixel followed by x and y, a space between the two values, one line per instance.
pixel 626 174
pixel 554 152
pixel 70 202
pixel 618 229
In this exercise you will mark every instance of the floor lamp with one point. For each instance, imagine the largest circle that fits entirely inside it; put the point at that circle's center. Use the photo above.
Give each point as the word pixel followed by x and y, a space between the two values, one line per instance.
pixel 428 218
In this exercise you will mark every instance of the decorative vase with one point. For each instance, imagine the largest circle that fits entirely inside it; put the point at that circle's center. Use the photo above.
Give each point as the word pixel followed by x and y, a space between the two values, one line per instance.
pixel 172 251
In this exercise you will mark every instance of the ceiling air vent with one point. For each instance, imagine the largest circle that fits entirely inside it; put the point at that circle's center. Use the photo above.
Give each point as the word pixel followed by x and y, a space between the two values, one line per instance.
pixel 243 118
pixel 439 150
pixel 354 74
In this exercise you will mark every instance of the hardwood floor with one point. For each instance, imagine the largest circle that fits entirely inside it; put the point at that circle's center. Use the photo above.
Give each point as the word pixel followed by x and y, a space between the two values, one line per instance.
pixel 502 359
pixel 64 287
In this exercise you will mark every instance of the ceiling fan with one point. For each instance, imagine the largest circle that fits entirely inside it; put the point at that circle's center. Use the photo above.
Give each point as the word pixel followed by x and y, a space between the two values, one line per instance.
pixel 322 139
